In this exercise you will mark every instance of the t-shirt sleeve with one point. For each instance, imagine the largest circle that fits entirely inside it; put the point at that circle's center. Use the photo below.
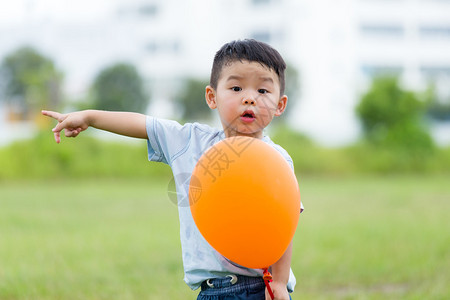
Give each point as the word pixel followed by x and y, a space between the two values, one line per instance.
pixel 291 164
pixel 166 139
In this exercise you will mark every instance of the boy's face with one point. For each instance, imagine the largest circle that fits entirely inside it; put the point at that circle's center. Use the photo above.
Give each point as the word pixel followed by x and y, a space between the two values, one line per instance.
pixel 247 98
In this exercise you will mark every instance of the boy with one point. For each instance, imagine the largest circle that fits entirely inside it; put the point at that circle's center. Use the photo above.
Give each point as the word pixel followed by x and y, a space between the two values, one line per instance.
pixel 247 89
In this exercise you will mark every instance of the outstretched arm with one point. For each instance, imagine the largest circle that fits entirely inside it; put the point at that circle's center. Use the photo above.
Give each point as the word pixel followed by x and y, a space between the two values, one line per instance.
pixel 123 123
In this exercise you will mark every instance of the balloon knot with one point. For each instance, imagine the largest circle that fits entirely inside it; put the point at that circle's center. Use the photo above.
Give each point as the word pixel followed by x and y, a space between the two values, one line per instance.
pixel 267 276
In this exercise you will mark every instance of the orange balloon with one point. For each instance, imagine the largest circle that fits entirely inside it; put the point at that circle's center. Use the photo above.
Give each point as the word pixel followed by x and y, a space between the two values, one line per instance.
pixel 245 201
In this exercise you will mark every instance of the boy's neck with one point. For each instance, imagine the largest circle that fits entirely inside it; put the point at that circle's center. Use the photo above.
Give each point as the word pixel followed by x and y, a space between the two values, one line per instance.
pixel 232 133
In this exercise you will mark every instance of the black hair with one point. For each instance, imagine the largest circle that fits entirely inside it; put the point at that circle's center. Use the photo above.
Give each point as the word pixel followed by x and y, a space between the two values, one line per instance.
pixel 252 51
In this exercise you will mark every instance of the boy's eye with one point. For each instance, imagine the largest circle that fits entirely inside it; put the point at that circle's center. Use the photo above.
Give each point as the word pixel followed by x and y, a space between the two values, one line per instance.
pixel 262 91
pixel 236 89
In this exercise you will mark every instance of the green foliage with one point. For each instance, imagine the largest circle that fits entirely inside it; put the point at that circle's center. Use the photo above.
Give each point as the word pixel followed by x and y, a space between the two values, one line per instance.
pixel 310 158
pixel 192 100
pixel 120 88
pixel 83 157
pixel 385 106
pixel 392 118
pixel 31 81
pixel 87 157
pixel 367 159
pixel 364 157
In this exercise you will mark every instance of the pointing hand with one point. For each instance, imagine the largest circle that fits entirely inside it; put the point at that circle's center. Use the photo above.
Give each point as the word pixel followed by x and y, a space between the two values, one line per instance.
pixel 72 123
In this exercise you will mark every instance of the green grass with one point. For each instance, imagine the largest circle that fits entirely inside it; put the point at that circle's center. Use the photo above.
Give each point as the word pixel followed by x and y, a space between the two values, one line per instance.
pixel 359 238
pixel 374 238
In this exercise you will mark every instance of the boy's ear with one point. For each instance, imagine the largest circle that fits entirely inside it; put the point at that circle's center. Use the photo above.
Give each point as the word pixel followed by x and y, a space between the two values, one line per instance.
pixel 282 103
pixel 210 95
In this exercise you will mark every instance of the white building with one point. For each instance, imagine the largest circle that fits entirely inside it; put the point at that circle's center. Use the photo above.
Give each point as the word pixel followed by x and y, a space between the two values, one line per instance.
pixel 341 44
pixel 337 46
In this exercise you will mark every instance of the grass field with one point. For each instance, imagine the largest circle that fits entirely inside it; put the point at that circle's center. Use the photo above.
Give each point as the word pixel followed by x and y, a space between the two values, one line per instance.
pixel 359 238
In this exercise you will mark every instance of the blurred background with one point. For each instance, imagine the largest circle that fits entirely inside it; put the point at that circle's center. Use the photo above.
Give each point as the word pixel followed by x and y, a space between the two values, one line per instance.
pixel 360 71
pixel 367 125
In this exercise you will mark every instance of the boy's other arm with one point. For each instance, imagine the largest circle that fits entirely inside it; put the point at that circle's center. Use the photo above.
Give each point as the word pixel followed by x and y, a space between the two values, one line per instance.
pixel 123 123
pixel 280 274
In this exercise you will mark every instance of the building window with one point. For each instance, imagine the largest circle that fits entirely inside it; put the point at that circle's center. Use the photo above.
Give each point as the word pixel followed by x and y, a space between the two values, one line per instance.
pixel 152 47
pixel 433 72
pixel 382 30
pixel 435 31
pixel 262 36
pixel 148 10
pixel 260 2
pixel 445 1
pixel 168 47
pixel 381 70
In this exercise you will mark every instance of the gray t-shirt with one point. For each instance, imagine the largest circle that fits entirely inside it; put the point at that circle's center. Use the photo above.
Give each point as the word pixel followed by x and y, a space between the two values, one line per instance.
pixel 181 146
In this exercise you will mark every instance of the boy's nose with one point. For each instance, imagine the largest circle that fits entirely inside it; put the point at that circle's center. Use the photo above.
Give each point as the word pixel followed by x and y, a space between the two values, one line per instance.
pixel 248 101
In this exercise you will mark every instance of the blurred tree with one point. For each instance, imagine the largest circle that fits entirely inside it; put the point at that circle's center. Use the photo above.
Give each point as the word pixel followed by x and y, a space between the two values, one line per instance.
pixel 30 82
pixel 292 89
pixel 120 88
pixel 439 111
pixel 438 105
pixel 393 117
pixel 192 99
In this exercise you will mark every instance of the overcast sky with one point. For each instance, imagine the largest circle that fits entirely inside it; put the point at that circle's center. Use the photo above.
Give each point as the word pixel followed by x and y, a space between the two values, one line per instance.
pixel 22 11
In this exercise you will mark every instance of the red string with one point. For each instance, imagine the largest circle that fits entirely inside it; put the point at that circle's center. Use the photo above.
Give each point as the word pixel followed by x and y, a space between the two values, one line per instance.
pixel 268 278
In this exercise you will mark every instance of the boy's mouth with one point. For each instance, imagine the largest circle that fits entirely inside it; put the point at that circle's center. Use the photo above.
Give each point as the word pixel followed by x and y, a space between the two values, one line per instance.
pixel 248 116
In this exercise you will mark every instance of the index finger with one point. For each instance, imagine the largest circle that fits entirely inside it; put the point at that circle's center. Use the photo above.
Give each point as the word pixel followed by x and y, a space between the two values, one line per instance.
pixel 53 114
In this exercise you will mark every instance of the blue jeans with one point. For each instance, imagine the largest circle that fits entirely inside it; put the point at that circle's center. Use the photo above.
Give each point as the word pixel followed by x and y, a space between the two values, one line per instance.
pixel 246 288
